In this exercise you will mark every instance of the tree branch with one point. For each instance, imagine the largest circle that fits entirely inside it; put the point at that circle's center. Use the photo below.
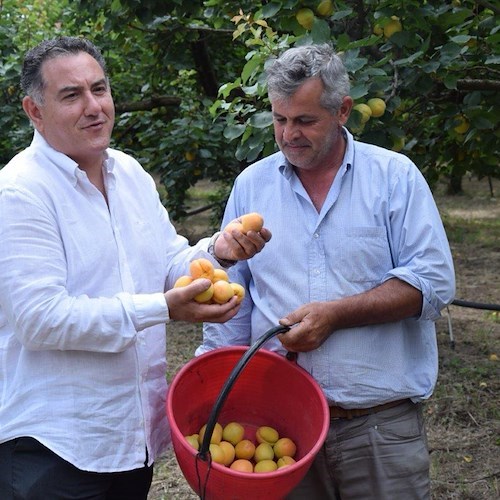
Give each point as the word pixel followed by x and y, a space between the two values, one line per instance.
pixel 475 84
pixel 148 104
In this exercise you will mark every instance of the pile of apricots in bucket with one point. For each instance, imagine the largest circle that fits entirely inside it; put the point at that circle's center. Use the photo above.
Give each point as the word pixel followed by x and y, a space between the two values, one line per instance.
pixel 267 452
pixel 221 290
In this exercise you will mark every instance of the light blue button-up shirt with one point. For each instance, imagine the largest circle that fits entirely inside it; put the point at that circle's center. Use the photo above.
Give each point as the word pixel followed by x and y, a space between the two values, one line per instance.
pixel 379 221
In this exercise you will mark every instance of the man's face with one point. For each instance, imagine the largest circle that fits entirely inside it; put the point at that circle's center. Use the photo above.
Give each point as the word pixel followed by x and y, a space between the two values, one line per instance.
pixel 77 114
pixel 307 133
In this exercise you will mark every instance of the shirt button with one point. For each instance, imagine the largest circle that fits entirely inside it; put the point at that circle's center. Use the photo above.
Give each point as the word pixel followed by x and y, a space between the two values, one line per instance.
pixel 316 235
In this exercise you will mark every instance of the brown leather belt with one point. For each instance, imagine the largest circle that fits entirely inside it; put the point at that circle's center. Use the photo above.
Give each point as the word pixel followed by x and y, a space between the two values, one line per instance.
pixel 338 412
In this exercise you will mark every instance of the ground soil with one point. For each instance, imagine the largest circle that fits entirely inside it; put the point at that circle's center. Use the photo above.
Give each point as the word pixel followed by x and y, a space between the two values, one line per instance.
pixel 463 415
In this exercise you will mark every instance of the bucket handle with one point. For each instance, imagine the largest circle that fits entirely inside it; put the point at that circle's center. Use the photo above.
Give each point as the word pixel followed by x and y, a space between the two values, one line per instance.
pixel 212 419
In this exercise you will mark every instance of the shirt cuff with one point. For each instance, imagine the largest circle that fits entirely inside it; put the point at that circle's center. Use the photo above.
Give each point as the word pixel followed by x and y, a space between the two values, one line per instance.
pixel 150 309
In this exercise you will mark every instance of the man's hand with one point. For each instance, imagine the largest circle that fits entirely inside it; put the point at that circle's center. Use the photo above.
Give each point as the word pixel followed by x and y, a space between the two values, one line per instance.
pixel 183 307
pixel 310 325
pixel 234 245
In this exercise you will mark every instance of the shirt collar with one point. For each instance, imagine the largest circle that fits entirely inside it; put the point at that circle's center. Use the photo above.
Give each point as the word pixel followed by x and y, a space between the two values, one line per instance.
pixel 64 162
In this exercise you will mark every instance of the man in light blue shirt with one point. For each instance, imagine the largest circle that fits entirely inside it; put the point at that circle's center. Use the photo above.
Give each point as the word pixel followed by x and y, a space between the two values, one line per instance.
pixel 359 266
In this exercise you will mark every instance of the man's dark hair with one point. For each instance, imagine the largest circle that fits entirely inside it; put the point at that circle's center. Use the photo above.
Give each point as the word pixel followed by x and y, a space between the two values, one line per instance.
pixel 32 82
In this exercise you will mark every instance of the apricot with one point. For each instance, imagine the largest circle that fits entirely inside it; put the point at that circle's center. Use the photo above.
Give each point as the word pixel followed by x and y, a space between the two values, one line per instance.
pixel 266 434
pixel 216 453
pixel 216 437
pixel 222 292
pixel 183 281
pixel 192 439
pixel 233 225
pixel 220 275
pixel 285 462
pixel 242 465
pixel 251 222
pixel 206 295
pixel 264 451
pixel 284 447
pixel 201 268
pixel 233 432
pixel 239 291
pixel 229 452
pixel 265 466
pixel 245 449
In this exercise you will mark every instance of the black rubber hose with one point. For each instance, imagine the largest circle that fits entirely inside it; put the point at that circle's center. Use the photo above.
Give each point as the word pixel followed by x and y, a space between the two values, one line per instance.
pixel 476 305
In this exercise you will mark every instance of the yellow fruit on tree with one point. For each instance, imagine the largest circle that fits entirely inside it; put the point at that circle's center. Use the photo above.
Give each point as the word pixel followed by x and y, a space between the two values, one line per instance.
pixel 189 155
pixel 305 17
pixel 463 124
pixel 378 30
pixel 377 106
pixel 398 143
pixel 325 8
pixel 393 26
pixel 365 111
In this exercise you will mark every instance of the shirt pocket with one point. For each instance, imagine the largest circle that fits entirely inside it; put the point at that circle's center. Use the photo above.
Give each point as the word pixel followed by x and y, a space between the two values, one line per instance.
pixel 365 254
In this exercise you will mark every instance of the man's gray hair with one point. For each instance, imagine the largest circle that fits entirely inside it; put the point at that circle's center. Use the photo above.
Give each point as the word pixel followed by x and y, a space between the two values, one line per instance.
pixel 296 65
pixel 32 82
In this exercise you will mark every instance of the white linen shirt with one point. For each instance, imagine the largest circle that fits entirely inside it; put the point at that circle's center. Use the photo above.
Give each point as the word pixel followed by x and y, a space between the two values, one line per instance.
pixel 379 221
pixel 82 310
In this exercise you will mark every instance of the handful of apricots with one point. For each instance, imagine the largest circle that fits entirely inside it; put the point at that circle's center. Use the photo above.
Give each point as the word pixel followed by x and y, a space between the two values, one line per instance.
pixel 265 452
pixel 221 289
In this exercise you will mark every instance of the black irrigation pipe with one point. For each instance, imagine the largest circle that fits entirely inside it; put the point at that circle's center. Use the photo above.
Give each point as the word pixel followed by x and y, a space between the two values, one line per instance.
pixel 476 305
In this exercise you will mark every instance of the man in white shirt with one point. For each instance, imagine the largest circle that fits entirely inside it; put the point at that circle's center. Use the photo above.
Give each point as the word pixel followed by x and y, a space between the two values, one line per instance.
pixel 88 258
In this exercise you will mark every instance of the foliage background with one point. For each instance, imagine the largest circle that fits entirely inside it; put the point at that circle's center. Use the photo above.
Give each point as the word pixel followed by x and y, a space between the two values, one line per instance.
pixel 190 98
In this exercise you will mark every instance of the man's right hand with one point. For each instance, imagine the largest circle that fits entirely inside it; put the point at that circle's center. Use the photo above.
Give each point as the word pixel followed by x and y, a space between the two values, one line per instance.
pixel 183 307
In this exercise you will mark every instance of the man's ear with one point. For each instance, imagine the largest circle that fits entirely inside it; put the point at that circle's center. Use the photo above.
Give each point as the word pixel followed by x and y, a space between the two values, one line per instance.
pixel 32 109
pixel 345 109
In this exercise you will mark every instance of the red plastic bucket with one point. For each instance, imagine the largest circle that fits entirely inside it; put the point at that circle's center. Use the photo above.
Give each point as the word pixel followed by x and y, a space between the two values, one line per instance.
pixel 269 391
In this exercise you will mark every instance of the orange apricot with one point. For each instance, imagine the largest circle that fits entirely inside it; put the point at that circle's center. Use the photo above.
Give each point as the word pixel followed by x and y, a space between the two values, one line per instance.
pixel 239 291
pixel 183 281
pixel 251 222
pixel 245 449
pixel 223 291
pixel 284 447
pixel 242 465
pixel 216 436
pixel 220 275
pixel 206 295
pixel 201 268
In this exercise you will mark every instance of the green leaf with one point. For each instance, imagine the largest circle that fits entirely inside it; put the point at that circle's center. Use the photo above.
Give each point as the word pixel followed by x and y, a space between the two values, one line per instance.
pixel 232 132
pixel 262 120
